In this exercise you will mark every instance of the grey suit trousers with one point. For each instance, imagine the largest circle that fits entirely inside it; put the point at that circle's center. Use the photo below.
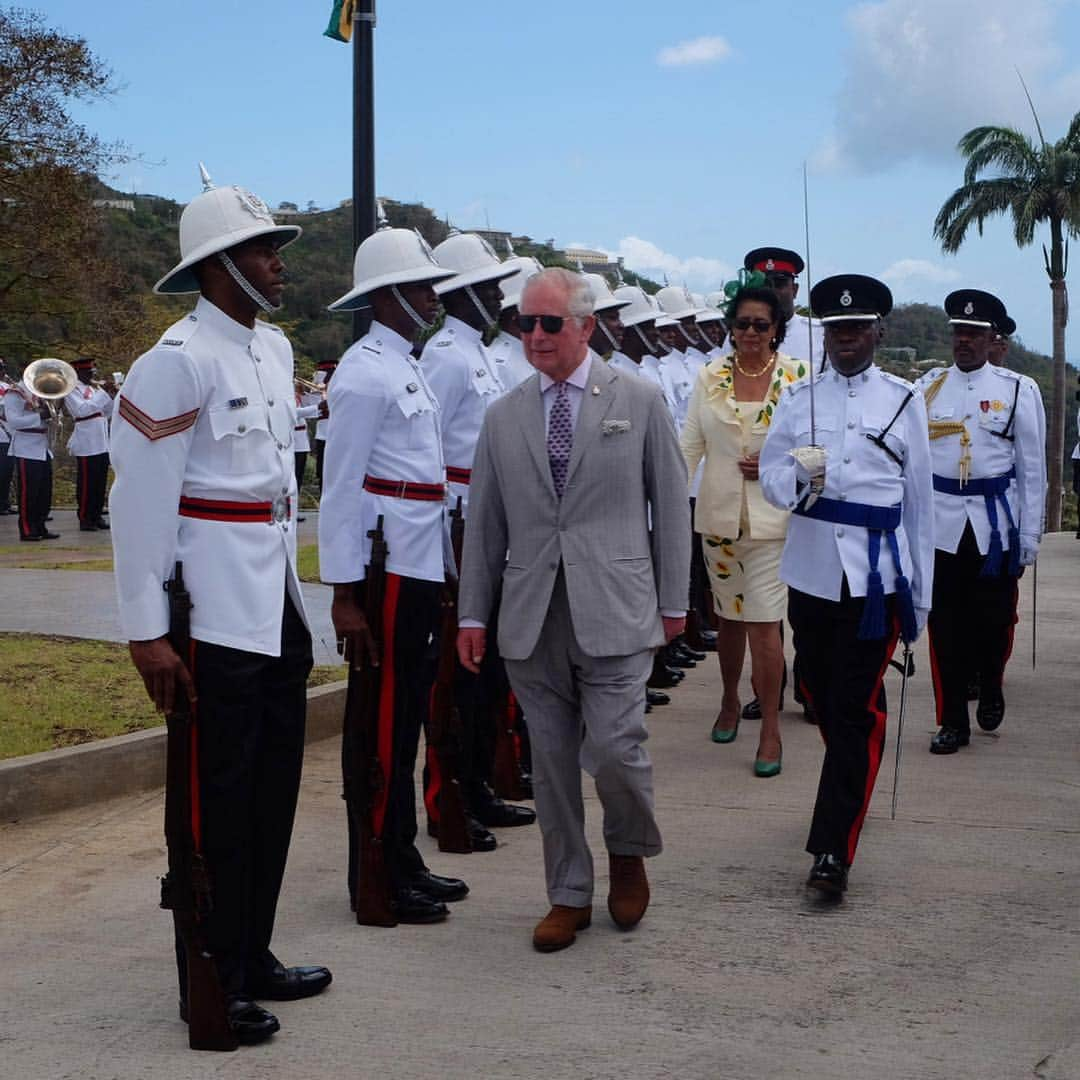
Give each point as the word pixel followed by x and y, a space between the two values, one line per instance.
pixel 585 712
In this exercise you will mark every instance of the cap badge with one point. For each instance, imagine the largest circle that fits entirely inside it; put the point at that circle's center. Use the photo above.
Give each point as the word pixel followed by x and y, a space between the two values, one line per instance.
pixel 254 205
pixel 845 298
pixel 770 264
pixel 412 388
pixel 969 308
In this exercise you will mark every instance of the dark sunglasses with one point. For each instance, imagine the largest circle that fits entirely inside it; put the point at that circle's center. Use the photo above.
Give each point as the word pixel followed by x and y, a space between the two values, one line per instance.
pixel 550 324
pixel 760 325
pixel 779 278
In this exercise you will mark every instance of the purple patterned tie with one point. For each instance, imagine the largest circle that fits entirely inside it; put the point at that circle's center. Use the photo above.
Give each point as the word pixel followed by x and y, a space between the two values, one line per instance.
pixel 560 437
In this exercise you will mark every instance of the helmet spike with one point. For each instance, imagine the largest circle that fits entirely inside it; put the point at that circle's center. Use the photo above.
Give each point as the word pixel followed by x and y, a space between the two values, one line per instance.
pixel 204 176
pixel 383 222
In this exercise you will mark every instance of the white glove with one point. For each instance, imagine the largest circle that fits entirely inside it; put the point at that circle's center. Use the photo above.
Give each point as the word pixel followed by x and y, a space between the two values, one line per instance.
pixel 921 615
pixel 1029 550
pixel 809 461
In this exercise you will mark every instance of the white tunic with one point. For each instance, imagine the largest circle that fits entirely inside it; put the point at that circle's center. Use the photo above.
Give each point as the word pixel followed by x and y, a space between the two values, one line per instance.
pixel 460 371
pixel 29 432
pixel 674 368
pixel 983 401
pixel 5 434
pixel 207 413
pixel 797 340
pixel 90 408
pixel 307 406
pixel 384 423
pixel 511 365
pixel 818 555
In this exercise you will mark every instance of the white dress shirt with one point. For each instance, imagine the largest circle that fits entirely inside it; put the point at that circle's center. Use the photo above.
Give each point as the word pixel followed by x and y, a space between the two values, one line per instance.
pixel 818 555
pixel 29 432
pixel 511 364
pixel 90 408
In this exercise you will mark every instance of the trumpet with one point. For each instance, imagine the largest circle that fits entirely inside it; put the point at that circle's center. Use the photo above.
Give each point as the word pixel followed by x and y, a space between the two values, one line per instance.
pixel 309 387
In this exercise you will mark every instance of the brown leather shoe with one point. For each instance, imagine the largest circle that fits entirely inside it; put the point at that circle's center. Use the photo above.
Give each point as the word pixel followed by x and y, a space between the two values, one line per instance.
pixel 558 928
pixel 629 895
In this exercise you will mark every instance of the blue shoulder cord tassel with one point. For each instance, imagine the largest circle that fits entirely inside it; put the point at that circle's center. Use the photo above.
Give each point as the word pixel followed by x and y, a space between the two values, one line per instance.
pixel 905 603
pixel 872 625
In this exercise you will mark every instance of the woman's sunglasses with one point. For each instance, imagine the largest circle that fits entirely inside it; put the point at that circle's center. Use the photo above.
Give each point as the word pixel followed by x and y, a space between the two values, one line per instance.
pixel 762 326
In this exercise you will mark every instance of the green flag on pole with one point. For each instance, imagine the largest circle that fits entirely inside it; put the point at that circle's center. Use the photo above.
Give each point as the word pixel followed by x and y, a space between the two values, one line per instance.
pixel 341 20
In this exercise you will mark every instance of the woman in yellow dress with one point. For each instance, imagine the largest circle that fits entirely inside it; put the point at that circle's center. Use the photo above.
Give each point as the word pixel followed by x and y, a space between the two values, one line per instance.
pixel 730 410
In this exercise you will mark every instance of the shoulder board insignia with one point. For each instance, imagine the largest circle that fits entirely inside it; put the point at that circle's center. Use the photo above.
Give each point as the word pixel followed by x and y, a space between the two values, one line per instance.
pixel 271 326
pixel 368 348
pixel 440 344
pixel 1006 373
pixel 155 429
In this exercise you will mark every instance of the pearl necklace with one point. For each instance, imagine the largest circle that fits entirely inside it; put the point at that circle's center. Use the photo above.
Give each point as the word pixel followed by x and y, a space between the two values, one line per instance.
pixel 754 374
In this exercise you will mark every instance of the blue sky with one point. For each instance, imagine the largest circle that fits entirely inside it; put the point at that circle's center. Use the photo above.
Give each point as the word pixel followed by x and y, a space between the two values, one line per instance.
pixel 674 135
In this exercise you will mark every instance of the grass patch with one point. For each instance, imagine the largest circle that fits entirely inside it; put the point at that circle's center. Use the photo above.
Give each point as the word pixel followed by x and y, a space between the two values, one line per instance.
pixel 307 562
pixel 57 691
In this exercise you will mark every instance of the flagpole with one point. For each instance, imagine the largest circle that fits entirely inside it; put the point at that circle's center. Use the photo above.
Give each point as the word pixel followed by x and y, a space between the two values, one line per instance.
pixel 363 39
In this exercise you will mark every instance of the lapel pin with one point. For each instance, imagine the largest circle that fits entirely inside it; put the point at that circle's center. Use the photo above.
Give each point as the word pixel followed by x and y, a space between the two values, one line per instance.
pixel 596 391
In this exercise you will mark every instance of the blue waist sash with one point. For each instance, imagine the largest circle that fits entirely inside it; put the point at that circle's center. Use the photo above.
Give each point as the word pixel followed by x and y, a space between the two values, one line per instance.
pixel 992 489
pixel 879 521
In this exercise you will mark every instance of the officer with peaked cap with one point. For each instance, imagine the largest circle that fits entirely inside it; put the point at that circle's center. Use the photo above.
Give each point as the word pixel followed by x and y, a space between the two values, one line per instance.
pixel 90 407
pixel 506 350
pixel 781 268
pixel 858 558
pixel 384 459
pixel 987 439
pixel 464 379
pixel 203 454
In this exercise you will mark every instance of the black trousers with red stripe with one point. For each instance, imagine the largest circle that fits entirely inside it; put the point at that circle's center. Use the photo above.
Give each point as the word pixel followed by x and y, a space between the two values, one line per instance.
pixel 251 712
pixel 91 475
pixel 843 679
pixel 410 618
pixel 301 468
pixel 971 628
pixel 35 495
pixel 7 471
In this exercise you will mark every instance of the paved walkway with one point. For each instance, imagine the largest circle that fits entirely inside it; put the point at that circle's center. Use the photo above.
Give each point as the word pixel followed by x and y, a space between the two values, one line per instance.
pixel 955 955
pixel 82 603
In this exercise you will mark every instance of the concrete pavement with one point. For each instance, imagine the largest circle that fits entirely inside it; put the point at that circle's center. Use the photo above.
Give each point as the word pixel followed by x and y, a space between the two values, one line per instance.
pixel 956 953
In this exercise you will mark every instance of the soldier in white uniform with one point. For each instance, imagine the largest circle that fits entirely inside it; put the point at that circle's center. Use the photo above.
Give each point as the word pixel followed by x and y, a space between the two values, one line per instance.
pixel 90 408
pixel 858 558
pixel 324 372
pixel 987 439
pixel 202 450
pixel 710 323
pixel 309 406
pixel 7 462
pixel 463 376
pixel 506 350
pixel 607 338
pixel 782 268
pixel 29 419
pixel 384 457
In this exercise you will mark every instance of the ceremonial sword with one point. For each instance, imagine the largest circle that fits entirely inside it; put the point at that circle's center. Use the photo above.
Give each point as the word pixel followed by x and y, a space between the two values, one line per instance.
pixel 900 727
pixel 817 483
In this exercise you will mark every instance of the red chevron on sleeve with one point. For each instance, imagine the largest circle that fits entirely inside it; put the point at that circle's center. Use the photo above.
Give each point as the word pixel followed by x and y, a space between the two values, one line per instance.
pixel 155 429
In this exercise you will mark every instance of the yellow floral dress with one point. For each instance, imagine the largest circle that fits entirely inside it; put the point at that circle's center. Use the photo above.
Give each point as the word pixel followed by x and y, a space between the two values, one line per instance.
pixel 745 573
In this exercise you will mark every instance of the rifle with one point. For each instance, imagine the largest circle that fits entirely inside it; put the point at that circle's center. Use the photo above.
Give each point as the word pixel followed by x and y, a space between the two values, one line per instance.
pixel 186 887
pixel 445 722
pixel 506 776
pixel 364 772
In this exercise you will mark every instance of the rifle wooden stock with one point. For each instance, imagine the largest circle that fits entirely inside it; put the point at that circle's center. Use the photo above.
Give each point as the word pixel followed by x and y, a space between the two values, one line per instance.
pixel 364 777
pixel 506 776
pixel 186 888
pixel 445 721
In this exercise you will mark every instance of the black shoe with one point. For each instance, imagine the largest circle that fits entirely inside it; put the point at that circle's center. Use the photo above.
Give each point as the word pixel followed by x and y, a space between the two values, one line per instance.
pixel 250 1023
pixel 301 517
pixel 991 709
pixel 87 526
pixel 948 740
pixel 663 677
pixel 494 813
pixel 437 887
pixel 30 539
pixel 657 697
pixel 694 654
pixel 708 640
pixel 479 837
pixel 416 907
pixel 46 535
pixel 5 510
pixel 648 708
pixel 288 984
pixel 101 524
pixel 677 657
pixel 752 710
pixel 828 875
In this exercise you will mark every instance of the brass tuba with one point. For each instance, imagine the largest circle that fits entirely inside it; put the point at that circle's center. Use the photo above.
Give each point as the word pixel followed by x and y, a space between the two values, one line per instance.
pixel 48 380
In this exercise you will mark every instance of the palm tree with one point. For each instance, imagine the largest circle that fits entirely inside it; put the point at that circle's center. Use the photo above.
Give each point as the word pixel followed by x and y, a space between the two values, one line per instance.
pixel 1037 185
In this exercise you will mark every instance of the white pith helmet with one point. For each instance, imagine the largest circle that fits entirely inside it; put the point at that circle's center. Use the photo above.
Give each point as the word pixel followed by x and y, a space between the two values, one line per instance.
pixel 603 298
pixel 705 313
pixel 523 266
pixel 716 300
pixel 390 257
pixel 472 259
pixel 639 307
pixel 216 220
pixel 676 302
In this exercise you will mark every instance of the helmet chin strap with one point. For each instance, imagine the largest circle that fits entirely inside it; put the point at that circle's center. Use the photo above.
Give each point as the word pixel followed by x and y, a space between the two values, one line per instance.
pixel 645 341
pixel 409 310
pixel 608 334
pixel 689 340
pixel 488 320
pixel 246 285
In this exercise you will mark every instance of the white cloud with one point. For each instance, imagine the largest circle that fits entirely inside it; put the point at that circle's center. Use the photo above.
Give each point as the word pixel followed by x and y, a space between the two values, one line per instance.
pixel 922 72
pixel 701 50
pixel 697 271
pixel 903 272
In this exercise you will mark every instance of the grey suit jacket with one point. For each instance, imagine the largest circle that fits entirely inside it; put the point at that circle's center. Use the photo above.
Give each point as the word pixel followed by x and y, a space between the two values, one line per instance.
pixel 625 462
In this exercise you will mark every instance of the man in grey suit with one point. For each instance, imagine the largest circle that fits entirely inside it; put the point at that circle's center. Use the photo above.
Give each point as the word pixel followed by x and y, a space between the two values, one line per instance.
pixel 578 514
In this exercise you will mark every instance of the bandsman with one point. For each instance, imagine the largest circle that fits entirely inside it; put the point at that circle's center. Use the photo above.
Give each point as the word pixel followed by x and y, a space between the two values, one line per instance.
pixel 90 406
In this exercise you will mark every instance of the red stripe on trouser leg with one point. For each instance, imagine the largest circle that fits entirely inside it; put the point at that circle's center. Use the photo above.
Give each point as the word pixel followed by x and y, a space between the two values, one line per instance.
pixel 387 702
pixel 433 785
pixel 939 697
pixel 875 743
pixel 84 486
pixel 1012 625
pixel 24 500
